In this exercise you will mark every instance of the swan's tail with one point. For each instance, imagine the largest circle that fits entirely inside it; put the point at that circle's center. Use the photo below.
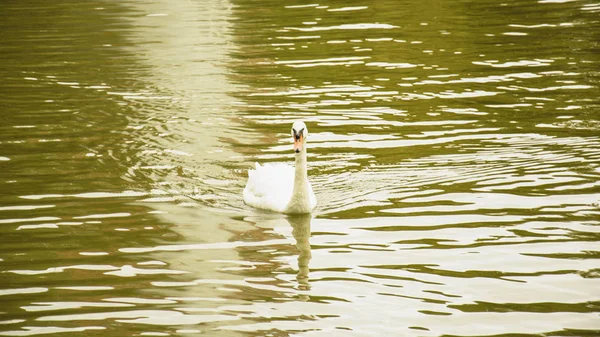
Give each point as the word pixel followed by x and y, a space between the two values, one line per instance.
pixel 251 172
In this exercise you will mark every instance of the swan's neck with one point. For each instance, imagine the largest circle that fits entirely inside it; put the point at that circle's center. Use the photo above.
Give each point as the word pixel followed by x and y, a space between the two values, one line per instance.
pixel 300 202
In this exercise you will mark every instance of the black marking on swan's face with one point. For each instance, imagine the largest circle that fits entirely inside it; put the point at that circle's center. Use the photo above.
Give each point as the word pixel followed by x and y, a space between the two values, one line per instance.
pixel 297 138
pixel 299 133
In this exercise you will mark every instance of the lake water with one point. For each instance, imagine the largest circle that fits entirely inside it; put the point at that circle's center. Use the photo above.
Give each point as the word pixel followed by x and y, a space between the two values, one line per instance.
pixel 454 149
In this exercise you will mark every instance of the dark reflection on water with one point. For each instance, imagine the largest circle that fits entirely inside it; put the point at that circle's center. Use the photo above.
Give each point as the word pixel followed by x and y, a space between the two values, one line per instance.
pixel 453 148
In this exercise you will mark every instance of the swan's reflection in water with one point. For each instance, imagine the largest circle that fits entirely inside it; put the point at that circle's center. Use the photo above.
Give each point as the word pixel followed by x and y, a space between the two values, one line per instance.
pixel 301 232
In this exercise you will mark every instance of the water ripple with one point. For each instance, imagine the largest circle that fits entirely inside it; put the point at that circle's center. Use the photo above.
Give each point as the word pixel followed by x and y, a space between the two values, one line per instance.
pixel 453 149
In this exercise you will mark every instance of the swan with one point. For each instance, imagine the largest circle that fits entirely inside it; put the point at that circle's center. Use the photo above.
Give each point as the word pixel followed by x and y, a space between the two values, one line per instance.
pixel 280 187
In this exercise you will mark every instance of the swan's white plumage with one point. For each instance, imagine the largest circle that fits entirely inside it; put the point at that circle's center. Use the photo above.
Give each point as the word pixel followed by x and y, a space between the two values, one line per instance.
pixel 282 188
pixel 270 187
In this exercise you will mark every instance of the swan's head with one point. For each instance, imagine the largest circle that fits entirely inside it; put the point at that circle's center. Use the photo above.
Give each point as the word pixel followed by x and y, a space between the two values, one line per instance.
pixel 299 134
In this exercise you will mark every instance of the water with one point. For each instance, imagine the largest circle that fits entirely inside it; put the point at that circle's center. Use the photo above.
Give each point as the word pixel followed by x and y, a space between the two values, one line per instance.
pixel 454 149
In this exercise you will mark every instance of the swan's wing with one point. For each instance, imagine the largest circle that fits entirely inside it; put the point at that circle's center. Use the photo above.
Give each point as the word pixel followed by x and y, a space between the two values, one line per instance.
pixel 269 186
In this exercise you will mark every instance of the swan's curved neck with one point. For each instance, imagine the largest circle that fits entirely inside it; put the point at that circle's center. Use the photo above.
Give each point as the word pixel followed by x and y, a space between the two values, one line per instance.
pixel 300 202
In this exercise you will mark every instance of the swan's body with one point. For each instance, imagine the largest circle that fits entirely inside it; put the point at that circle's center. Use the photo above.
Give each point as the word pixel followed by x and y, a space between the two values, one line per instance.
pixel 279 187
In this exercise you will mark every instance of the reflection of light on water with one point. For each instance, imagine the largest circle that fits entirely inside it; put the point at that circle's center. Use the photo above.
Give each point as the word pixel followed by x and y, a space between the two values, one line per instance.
pixel 324 89
pixel 152 317
pixel 357 26
pixel 521 63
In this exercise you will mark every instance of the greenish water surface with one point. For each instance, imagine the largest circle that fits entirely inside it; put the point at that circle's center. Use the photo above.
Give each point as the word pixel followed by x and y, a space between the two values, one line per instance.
pixel 454 150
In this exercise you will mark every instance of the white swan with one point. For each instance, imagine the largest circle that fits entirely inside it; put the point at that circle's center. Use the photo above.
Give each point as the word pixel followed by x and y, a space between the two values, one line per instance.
pixel 279 187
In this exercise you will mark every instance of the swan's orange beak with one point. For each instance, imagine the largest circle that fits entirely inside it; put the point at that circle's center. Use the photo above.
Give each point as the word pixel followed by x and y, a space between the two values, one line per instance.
pixel 298 140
